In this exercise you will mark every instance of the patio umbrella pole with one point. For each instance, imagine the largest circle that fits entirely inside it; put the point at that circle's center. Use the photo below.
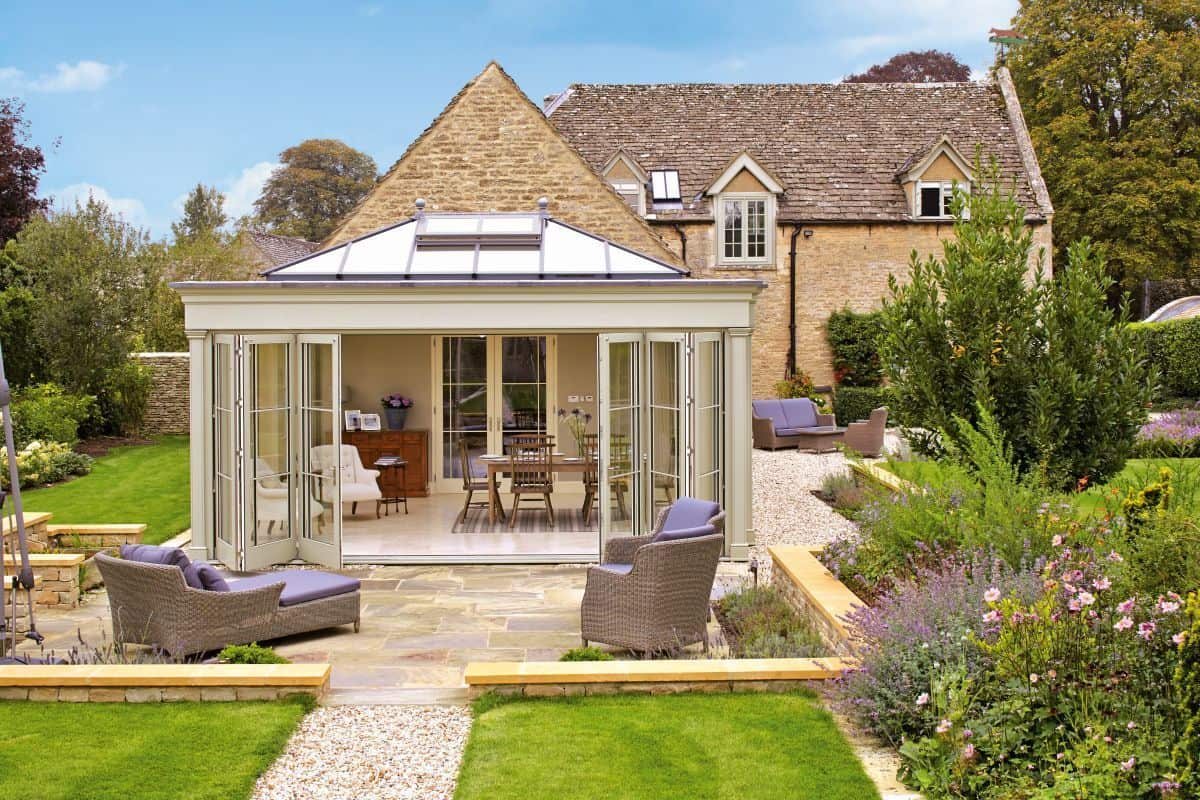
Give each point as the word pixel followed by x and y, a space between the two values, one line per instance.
pixel 24 574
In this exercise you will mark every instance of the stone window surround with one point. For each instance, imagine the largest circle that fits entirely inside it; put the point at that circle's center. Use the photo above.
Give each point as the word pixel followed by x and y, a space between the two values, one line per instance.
pixel 767 260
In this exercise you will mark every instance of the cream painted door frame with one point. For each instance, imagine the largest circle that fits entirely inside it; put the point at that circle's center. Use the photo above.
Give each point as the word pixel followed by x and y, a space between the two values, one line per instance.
pixel 493 385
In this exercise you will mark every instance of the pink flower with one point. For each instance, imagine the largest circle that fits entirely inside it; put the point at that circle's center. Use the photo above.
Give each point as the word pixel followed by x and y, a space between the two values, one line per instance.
pixel 1033 677
pixel 992 616
pixel 1073 604
pixel 1101 583
pixel 1126 606
pixel 1056 541
pixel 1130 726
pixel 944 726
pixel 1123 624
pixel 1086 598
pixel 922 699
pixel 1167 606
pixel 1052 674
pixel 1146 630
pixel 1115 557
pixel 992 595
pixel 1179 638
pixel 1128 765
pixel 968 752
pixel 1060 756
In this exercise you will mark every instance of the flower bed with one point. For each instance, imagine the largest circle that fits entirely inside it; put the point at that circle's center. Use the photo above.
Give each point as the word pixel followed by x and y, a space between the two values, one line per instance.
pixel 1174 434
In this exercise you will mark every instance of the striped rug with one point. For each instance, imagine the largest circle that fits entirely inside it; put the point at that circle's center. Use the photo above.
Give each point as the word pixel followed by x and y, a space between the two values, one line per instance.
pixel 531 519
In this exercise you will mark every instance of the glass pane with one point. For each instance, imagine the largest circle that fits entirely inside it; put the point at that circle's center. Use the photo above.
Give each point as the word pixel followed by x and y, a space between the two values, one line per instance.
pixel 733 229
pixel 269 376
pixel 523 383
pixel 318 380
pixel 224 444
pixel 321 504
pixel 756 229
pixel 225 517
pixel 664 458
pixel 319 483
pixel 931 201
pixel 223 377
pixel 624 469
pixel 269 432
pixel 272 501
pixel 621 368
pixel 464 406
pixel 664 366
pixel 476 444
pixel 464 359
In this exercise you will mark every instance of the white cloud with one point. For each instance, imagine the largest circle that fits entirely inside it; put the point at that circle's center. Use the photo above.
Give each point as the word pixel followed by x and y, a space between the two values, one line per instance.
pixel 370 9
pixel 242 191
pixel 82 76
pixel 130 208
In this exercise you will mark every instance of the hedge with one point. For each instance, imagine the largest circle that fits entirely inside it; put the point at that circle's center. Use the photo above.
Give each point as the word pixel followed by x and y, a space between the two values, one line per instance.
pixel 1174 348
pixel 854 341
pixel 852 403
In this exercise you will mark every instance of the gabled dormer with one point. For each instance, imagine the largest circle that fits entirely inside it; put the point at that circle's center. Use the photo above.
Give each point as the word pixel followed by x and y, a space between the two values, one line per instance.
pixel 745 198
pixel 930 177
pixel 628 179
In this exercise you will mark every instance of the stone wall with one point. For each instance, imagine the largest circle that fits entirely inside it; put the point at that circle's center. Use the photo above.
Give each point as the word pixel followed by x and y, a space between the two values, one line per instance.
pixel 168 409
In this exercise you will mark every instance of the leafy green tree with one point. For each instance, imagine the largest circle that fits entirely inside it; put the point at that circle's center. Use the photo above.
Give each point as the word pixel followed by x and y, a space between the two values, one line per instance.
pixel 203 215
pixel 975 331
pixel 1111 93
pixel 319 182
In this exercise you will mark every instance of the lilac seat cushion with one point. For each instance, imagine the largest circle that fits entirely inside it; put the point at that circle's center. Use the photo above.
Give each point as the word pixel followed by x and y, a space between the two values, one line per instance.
pixel 205 576
pixel 800 412
pixel 153 554
pixel 301 585
pixel 620 569
pixel 684 533
pixel 690 512
pixel 772 410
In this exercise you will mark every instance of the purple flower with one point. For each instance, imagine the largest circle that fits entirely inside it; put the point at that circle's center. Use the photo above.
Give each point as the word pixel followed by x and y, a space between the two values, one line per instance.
pixel 1128 765
pixel 1146 630
pixel 1123 624
pixel 1126 606
pixel 1086 598
pixel 968 752
pixel 1101 583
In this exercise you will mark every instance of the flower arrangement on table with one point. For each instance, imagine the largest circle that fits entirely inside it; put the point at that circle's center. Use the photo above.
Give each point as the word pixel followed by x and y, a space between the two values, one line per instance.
pixel 397 401
pixel 577 423
pixel 395 408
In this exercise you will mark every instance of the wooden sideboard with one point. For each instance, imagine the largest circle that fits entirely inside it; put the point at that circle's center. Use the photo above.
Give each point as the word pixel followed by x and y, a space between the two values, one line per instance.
pixel 412 446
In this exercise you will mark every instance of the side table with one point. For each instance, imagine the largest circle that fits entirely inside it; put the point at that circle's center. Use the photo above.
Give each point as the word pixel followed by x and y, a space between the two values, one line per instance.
pixel 394 462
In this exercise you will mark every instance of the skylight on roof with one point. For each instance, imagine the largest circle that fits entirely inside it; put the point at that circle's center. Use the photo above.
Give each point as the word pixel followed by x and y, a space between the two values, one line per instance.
pixel 452 230
pixel 664 184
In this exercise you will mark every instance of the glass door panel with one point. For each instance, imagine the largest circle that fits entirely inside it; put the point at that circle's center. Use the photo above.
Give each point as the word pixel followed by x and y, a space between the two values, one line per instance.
pixel 319 486
pixel 465 412
pixel 523 386
pixel 621 481
pixel 708 417
pixel 226 430
pixel 664 441
pixel 268 456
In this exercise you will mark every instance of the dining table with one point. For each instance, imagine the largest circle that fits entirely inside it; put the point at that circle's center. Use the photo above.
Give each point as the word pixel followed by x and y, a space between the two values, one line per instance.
pixel 499 466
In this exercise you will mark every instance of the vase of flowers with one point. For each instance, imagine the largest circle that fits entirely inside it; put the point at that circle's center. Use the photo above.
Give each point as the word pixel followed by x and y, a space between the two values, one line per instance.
pixel 395 410
pixel 577 423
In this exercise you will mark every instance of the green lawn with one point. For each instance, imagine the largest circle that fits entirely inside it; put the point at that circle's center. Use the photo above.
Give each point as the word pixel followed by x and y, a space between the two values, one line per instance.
pixel 141 483
pixel 694 746
pixel 118 751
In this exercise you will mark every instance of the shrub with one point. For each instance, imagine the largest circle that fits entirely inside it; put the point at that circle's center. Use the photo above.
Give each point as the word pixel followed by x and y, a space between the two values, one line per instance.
pixel 1175 434
pixel 252 653
pixel 41 464
pixel 585 654
pixel 45 412
pixel 1059 370
pixel 854 340
pixel 760 623
pixel 844 492
pixel 1187 687
pixel 125 397
pixel 853 403
pixel 1172 347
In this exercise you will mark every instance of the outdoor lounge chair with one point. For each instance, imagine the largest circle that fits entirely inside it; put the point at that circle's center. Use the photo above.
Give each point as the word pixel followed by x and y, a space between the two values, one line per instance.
pixel 152 602
pixel 651 593
pixel 793 422
pixel 866 438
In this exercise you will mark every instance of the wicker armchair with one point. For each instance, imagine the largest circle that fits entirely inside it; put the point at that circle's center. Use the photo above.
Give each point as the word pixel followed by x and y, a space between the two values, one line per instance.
pixel 152 604
pixel 866 438
pixel 653 596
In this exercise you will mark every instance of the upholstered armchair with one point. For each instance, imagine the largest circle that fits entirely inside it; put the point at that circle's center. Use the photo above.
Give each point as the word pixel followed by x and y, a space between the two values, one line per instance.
pixel 359 484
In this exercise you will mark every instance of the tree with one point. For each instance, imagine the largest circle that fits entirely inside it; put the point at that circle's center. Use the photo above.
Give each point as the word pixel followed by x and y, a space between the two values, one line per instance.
pixel 1111 93
pixel 972 334
pixel 319 181
pixel 203 214
pixel 21 167
pixel 928 66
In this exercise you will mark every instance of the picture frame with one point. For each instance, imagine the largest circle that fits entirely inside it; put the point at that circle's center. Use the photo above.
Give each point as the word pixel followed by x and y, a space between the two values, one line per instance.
pixel 370 422
pixel 353 419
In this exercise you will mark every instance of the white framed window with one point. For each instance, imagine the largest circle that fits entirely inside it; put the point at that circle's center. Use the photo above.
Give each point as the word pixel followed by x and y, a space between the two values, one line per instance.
pixel 932 198
pixel 745 228
pixel 632 193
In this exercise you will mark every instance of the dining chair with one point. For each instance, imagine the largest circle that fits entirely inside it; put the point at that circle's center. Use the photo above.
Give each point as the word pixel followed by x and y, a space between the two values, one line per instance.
pixel 591 473
pixel 532 470
pixel 472 484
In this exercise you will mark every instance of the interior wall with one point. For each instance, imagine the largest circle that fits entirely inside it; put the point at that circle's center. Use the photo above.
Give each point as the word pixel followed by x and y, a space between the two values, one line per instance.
pixel 374 365
pixel 576 376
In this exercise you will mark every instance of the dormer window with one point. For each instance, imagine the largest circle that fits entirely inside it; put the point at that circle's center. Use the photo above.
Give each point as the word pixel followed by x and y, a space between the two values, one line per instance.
pixel 664 185
pixel 930 178
pixel 628 180
pixel 934 198
pixel 744 202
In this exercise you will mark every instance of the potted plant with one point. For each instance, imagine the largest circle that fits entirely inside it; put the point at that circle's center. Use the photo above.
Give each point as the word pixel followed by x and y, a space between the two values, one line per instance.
pixel 395 409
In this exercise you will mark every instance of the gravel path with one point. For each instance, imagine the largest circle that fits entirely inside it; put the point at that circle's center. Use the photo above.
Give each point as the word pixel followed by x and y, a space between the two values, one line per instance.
pixel 376 752
pixel 785 511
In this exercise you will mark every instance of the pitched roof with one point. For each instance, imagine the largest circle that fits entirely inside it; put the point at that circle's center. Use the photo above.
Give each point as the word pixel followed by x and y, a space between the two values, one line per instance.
pixel 836 148
pixel 278 250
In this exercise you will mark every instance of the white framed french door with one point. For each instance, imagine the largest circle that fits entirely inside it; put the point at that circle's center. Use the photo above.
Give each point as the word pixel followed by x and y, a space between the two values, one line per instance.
pixel 621 474
pixel 665 451
pixel 276 449
pixel 489 388
pixel 706 449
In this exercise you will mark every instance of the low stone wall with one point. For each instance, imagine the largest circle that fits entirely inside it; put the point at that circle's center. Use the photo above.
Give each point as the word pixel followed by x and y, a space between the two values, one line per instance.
pixel 55 580
pixel 95 537
pixel 169 406
pixel 162 683
pixel 36 534
pixel 815 593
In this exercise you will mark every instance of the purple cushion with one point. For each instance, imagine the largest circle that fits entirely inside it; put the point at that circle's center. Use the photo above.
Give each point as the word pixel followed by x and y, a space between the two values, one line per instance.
pixel 800 412
pixel 689 512
pixel 620 569
pixel 204 576
pixel 153 554
pixel 770 409
pixel 683 533
pixel 301 585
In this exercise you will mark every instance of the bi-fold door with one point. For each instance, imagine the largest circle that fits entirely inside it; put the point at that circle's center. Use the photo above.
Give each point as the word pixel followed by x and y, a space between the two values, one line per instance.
pixel 662 425
pixel 276 467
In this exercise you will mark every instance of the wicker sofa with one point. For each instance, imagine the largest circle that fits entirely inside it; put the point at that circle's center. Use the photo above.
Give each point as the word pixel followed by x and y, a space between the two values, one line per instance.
pixel 151 603
pixel 650 594
pixel 793 422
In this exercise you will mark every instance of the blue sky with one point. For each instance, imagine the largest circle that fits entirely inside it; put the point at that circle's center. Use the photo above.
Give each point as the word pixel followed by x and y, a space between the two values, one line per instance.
pixel 149 98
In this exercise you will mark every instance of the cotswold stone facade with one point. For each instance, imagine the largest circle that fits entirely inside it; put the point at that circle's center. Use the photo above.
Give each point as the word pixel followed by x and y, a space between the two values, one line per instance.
pixel 168 408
